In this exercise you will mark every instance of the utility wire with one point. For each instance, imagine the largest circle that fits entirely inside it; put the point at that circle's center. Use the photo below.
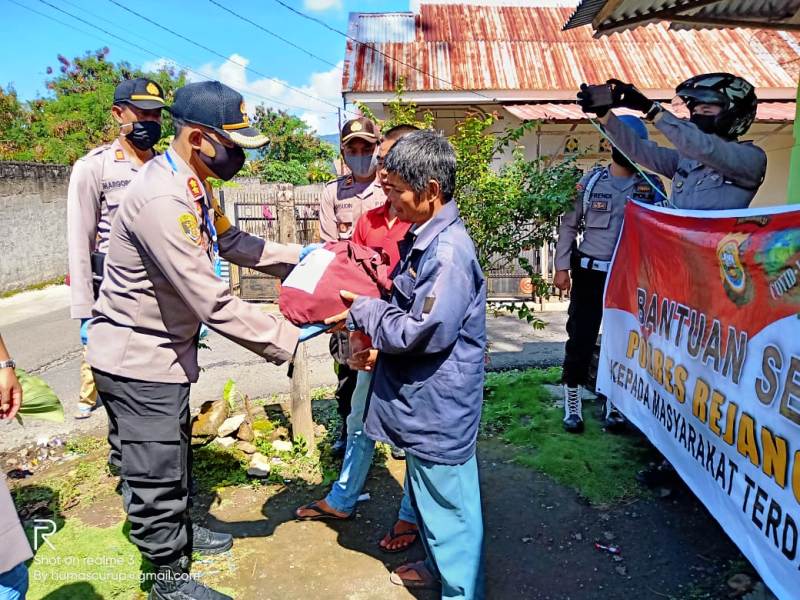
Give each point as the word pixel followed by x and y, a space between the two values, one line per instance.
pixel 70 26
pixel 219 54
pixel 379 51
pixel 272 33
pixel 147 51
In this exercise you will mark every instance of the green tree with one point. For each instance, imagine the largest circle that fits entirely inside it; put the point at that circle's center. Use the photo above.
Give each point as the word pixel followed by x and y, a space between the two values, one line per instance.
pixel 75 116
pixel 400 112
pixel 295 153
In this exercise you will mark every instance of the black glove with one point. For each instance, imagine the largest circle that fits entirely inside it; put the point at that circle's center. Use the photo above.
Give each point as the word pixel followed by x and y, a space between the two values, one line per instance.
pixel 626 95
pixel 587 103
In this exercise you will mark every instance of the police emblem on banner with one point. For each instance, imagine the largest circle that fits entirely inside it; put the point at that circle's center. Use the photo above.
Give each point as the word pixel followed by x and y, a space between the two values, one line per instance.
pixel 731 268
pixel 189 227
pixel 195 189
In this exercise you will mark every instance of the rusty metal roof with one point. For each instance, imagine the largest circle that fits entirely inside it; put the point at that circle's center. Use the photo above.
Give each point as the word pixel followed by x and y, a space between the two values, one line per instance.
pixel 609 16
pixel 768 112
pixel 479 48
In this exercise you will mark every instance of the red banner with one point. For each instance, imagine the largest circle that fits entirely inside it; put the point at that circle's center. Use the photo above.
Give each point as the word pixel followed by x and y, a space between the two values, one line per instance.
pixel 701 351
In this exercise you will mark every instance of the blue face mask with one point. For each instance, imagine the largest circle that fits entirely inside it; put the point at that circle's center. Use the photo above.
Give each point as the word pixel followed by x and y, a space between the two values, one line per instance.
pixel 361 166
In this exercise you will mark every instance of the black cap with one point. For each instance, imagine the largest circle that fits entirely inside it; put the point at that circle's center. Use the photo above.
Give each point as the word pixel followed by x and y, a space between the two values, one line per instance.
pixel 218 107
pixel 142 93
pixel 361 128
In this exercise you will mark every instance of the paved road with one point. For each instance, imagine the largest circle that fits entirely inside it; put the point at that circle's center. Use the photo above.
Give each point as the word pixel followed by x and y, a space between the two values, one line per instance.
pixel 44 340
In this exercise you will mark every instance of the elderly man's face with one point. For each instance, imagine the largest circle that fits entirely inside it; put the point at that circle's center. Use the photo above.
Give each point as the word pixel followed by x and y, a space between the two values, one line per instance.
pixel 406 203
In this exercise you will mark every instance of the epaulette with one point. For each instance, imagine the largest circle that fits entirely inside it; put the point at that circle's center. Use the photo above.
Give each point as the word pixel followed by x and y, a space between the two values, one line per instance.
pixel 96 151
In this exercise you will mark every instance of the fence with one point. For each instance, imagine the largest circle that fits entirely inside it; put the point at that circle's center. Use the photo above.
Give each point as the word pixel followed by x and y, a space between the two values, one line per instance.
pixel 271 211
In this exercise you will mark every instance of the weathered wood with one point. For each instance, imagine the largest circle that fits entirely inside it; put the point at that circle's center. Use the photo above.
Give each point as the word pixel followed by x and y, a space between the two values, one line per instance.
pixel 302 420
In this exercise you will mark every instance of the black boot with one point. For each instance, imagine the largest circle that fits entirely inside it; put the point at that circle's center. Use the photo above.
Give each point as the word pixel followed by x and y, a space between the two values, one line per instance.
pixel 206 541
pixel 173 582
pixel 614 420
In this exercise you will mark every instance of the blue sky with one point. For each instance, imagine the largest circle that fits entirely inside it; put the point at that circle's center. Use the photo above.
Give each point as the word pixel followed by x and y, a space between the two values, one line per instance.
pixel 30 42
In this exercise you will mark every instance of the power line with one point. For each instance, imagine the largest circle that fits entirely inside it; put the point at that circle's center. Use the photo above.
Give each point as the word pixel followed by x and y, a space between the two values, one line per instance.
pixel 59 21
pixel 272 33
pixel 379 51
pixel 219 54
pixel 149 52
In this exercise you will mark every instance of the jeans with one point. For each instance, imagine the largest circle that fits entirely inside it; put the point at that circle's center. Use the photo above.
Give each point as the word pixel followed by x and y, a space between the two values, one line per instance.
pixel 14 583
pixel 358 458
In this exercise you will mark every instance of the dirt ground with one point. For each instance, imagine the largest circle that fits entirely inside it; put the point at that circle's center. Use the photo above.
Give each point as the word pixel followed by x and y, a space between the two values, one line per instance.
pixel 539 542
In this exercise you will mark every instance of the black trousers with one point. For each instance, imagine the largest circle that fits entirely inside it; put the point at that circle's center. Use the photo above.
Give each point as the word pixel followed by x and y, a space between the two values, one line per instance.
pixel 152 423
pixel 585 315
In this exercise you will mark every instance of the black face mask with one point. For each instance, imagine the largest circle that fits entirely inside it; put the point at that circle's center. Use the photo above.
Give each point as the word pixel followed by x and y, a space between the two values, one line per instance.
pixel 144 134
pixel 705 123
pixel 227 161
pixel 618 158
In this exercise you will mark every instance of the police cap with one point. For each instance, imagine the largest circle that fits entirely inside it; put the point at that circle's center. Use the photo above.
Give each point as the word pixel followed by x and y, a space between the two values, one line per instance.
pixel 141 93
pixel 214 105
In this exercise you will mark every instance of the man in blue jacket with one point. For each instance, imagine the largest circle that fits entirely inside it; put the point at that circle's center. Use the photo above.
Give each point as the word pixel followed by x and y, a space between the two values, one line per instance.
pixel 428 384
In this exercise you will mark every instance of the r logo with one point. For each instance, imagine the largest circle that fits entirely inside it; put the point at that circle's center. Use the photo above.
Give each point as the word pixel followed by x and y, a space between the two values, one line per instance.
pixel 45 528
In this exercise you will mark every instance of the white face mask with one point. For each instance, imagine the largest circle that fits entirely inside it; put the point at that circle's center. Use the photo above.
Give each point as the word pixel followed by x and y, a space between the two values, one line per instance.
pixel 362 166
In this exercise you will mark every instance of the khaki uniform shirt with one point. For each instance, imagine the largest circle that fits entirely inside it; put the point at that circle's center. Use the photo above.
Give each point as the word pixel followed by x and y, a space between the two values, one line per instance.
pixel 343 201
pixel 96 186
pixel 15 545
pixel 160 283
pixel 707 171
pixel 604 215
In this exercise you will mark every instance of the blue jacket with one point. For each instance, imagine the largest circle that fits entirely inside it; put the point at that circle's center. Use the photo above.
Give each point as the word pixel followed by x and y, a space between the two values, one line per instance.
pixel 428 382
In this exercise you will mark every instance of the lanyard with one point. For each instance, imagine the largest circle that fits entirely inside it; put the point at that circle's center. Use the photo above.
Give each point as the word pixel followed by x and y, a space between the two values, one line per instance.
pixel 207 220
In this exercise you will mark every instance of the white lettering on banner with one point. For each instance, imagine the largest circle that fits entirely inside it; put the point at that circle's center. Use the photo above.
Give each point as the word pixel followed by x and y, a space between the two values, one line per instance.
pixel 711 374
pixel 306 275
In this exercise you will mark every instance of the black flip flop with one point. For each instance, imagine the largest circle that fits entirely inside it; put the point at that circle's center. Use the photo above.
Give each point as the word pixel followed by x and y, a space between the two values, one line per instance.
pixel 321 515
pixel 394 534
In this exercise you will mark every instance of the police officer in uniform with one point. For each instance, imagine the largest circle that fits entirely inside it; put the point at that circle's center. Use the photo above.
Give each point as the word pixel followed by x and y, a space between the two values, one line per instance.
pixel 710 169
pixel 598 213
pixel 159 286
pixel 96 185
pixel 343 201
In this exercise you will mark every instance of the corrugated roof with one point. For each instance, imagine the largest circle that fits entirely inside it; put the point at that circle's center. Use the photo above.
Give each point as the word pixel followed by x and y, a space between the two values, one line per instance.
pixel 627 13
pixel 777 112
pixel 464 47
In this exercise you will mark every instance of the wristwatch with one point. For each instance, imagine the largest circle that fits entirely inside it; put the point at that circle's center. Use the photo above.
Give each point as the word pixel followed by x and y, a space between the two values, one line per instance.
pixel 653 112
pixel 8 364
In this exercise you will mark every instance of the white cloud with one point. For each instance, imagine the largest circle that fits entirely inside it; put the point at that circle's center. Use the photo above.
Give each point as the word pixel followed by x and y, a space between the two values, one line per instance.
pixel 320 5
pixel 325 85
pixel 152 66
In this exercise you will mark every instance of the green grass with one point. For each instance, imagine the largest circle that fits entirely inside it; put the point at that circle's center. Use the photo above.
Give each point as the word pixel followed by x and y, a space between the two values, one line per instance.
pixel 87 563
pixel 35 286
pixel 599 466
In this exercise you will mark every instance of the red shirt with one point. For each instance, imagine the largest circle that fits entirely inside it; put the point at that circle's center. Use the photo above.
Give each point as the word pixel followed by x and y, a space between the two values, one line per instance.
pixel 373 230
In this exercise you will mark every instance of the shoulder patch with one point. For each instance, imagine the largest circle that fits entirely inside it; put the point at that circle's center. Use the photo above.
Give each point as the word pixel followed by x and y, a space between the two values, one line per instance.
pixel 119 155
pixel 195 189
pixel 189 227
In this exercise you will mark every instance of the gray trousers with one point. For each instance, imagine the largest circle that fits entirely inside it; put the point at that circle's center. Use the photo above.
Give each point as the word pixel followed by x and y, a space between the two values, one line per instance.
pixel 151 421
